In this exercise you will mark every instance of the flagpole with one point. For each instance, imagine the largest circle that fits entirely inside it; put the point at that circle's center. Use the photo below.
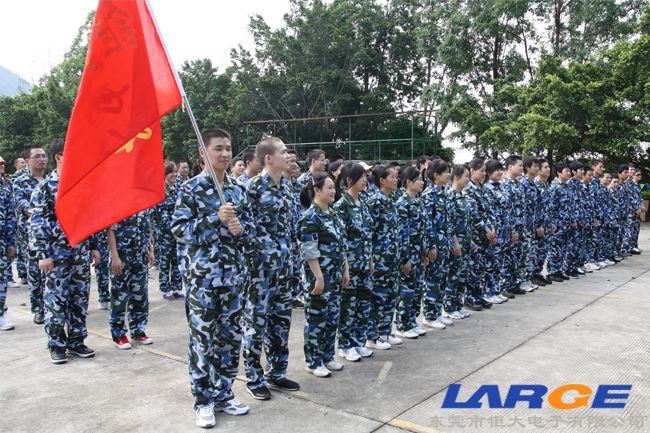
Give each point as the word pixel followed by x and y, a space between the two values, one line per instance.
pixel 186 105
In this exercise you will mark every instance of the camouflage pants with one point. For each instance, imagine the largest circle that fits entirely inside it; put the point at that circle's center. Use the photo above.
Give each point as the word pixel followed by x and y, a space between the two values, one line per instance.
pixel 322 314
pixel 492 271
pixel 636 229
pixel 589 248
pixel 35 283
pixel 4 265
pixel 435 278
pixel 454 293
pixel 129 295
pixel 541 252
pixel 477 268
pixel 410 298
pixel 101 275
pixel 213 314
pixel 628 233
pixel 267 320
pixel 355 312
pixel 169 276
pixel 600 243
pixel 295 273
pixel 67 287
pixel 384 300
pixel 508 265
pixel 557 253
pixel 21 253
pixel 574 248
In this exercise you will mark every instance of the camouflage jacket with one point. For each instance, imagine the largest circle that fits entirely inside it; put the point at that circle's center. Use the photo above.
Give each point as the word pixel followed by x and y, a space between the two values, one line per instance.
pixel 412 230
pixel 23 187
pixel 385 232
pixel 163 212
pixel 7 218
pixel 211 251
pixel 322 236
pixel 271 207
pixel 132 236
pixel 514 193
pixel 46 236
pixel 434 200
pixel 481 218
pixel 459 217
pixel 502 210
pixel 358 227
pixel 532 194
pixel 561 205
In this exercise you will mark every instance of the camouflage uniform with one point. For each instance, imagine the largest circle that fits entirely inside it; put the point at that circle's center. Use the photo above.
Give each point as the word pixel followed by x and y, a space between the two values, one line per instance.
pixel 21 242
pixel 515 253
pixel 560 211
pixel 213 273
pixel 413 250
pixel 611 223
pixel 459 218
pixel 534 221
pixel 129 291
pixel 169 275
pixel 243 179
pixel 434 200
pixel 542 244
pixel 385 253
pixel 588 250
pixel 576 236
pixel 356 298
pixel 7 237
pixel 481 221
pixel 24 185
pixel 101 270
pixel 295 262
pixel 269 297
pixel 322 236
pixel 601 201
pixel 632 221
pixel 622 215
pixel 67 285
pixel 500 257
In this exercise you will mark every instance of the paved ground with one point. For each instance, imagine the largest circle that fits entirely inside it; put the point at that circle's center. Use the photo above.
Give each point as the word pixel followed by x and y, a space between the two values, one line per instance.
pixel 592 331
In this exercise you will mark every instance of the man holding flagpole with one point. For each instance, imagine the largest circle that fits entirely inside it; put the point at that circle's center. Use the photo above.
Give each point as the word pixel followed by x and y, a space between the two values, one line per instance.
pixel 216 234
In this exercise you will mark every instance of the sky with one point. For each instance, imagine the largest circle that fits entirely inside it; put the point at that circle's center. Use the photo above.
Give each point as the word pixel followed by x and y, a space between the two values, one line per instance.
pixel 35 34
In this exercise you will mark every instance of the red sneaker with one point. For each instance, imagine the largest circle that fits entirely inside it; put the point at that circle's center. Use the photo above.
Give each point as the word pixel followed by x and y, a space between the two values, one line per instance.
pixel 144 340
pixel 123 344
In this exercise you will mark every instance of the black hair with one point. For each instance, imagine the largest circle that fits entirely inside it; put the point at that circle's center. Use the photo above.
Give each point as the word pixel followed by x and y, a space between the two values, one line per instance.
pixel 458 170
pixel 475 164
pixel 380 172
pixel 292 152
pixel 595 162
pixel 512 160
pixel 409 173
pixel 312 155
pixel 492 165
pixel 56 147
pixel 560 166
pixel 351 171
pixel 248 156
pixel 233 162
pixel 541 161
pixel 393 164
pixel 576 165
pixel 437 166
pixel 338 157
pixel 317 181
pixel 621 168
pixel 209 134
pixel 529 161
pixel 332 167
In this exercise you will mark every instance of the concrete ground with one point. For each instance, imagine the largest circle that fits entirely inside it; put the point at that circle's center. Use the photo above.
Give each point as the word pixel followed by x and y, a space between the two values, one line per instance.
pixel 591 331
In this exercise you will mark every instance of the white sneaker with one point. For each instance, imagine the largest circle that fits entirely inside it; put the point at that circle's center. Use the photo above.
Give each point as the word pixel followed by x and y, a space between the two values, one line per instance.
pixel 464 312
pixel 503 298
pixel 5 324
pixel 393 341
pixel 410 334
pixel 581 271
pixel 494 300
pixel 349 354
pixel 231 407
pixel 435 324
pixel 205 416
pixel 610 263
pixel 104 305
pixel 334 365
pixel 320 371
pixel 445 321
pixel 526 286
pixel 363 352
pixel 13 285
pixel 379 344
pixel 602 264
pixel 420 331
pixel 535 286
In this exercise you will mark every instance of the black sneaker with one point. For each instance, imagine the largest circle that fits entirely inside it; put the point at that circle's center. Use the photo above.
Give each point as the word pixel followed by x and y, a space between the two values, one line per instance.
pixel 58 356
pixel 518 291
pixel 82 351
pixel 297 303
pixel 484 303
pixel 564 276
pixel 38 318
pixel 261 393
pixel 573 274
pixel 556 278
pixel 635 251
pixel 284 383
pixel 538 280
pixel 473 307
pixel 546 279
pixel 507 294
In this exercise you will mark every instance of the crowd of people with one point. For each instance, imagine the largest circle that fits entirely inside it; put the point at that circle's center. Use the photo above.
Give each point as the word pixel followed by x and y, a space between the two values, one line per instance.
pixel 365 249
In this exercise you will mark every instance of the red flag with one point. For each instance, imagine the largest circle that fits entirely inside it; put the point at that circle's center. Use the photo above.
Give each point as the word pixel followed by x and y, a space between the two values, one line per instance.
pixel 113 161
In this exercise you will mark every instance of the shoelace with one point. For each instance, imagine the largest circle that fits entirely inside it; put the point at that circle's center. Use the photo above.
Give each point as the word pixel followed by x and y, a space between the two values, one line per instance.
pixel 206 410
